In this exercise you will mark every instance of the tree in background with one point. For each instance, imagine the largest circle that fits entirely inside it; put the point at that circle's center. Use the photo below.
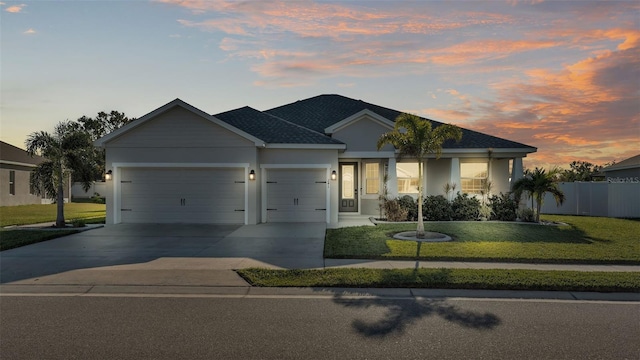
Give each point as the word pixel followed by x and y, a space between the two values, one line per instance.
pixel 68 150
pixel 582 171
pixel 415 137
pixel 98 127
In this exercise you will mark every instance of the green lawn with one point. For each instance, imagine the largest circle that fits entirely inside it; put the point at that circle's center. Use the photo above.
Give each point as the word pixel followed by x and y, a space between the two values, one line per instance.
pixel 33 214
pixel 585 240
pixel 447 279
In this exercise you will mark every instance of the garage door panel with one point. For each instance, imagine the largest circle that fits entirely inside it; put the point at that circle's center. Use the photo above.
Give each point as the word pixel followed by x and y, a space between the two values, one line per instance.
pixel 296 195
pixel 183 195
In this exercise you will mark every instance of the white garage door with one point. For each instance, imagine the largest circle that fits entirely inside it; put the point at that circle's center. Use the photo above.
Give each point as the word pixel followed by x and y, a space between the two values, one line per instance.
pixel 179 195
pixel 296 195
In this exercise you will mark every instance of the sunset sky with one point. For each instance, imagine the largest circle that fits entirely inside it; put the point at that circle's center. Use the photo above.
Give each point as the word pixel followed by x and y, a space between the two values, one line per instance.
pixel 561 76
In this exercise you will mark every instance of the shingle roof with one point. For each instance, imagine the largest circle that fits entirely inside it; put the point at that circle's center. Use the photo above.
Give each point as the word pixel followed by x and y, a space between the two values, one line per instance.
pixel 630 163
pixel 320 112
pixel 271 129
pixel 12 153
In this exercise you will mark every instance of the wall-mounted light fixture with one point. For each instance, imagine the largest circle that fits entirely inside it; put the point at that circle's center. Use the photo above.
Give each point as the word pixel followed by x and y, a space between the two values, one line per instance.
pixel 334 175
pixel 108 175
pixel 252 175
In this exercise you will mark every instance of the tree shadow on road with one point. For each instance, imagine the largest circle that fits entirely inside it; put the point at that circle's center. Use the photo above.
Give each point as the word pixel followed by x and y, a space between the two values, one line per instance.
pixel 401 313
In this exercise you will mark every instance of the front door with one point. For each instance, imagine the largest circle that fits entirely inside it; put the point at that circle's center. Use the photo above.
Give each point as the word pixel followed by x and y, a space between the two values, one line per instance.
pixel 348 187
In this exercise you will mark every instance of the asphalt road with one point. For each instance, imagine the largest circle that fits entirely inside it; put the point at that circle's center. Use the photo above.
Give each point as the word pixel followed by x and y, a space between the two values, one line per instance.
pixel 218 327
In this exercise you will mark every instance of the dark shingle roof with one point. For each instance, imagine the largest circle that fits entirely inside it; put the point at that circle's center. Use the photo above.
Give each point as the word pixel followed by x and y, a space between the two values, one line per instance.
pixel 12 153
pixel 271 129
pixel 320 112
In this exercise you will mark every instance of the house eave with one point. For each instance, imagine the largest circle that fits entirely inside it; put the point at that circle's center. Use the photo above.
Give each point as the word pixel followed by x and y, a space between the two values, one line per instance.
pixel 307 146
pixel 16 163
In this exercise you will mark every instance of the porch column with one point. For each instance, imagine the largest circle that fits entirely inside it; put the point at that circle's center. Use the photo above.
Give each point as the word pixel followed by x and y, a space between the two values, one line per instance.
pixel 392 179
pixel 455 174
pixel 516 172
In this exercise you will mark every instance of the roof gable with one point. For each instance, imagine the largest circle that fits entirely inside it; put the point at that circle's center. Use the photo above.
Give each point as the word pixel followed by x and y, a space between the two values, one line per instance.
pixel 167 107
pixel 357 117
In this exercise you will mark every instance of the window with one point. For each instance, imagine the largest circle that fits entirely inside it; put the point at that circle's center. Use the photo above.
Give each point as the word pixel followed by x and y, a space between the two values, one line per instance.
pixel 372 176
pixel 12 182
pixel 473 177
pixel 407 174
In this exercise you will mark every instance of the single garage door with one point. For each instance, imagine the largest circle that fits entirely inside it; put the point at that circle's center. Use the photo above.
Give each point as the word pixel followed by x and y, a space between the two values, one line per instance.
pixel 296 195
pixel 182 195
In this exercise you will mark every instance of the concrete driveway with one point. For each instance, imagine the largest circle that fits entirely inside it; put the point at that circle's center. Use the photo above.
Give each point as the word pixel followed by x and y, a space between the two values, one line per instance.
pixel 160 254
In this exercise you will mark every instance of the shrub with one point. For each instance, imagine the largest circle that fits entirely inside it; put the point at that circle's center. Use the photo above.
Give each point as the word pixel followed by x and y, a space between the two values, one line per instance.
pixel 78 223
pixel 96 198
pixel 527 215
pixel 436 208
pixel 409 204
pixel 465 207
pixel 504 207
pixel 394 211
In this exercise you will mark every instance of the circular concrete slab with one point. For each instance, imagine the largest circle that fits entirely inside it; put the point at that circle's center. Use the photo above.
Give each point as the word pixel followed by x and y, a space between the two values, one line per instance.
pixel 429 236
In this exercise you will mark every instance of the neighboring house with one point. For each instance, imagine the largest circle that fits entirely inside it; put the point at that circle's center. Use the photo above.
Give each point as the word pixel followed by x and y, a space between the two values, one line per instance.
pixel 307 161
pixel 15 170
pixel 627 170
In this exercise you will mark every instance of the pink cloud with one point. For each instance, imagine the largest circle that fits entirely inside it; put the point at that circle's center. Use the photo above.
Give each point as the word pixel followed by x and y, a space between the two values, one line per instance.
pixel 15 8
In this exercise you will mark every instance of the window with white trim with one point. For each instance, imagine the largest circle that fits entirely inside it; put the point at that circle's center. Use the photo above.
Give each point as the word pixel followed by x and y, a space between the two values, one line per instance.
pixel 407 175
pixel 473 177
pixel 372 178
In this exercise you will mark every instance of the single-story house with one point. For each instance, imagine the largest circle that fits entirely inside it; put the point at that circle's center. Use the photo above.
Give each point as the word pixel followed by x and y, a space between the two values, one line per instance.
pixel 308 161
pixel 626 171
pixel 15 173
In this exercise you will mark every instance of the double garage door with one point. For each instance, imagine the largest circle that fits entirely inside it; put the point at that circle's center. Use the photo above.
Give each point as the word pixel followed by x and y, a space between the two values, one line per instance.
pixel 217 195
pixel 296 195
pixel 182 195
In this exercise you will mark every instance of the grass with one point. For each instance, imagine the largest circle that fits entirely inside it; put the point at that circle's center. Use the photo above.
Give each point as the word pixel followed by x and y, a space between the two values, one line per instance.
pixel 490 279
pixel 585 240
pixel 10 239
pixel 33 214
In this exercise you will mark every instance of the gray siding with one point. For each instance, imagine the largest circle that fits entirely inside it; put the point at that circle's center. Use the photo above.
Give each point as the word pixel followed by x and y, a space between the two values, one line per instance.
pixel 179 127
pixel 362 135
pixel 438 174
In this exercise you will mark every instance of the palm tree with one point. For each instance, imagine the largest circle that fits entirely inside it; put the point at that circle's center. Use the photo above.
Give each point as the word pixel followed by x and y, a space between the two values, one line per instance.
pixel 539 182
pixel 414 136
pixel 68 151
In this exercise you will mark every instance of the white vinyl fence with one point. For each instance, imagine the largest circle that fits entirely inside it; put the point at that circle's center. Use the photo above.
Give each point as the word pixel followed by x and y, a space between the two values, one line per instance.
pixel 97 187
pixel 601 198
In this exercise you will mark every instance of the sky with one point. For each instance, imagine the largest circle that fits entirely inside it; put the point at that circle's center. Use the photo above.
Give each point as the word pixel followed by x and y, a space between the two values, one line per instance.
pixel 560 76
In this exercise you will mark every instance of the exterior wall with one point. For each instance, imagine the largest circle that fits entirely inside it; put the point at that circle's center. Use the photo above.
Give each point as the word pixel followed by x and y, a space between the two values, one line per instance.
pixel 623 175
pixel 362 135
pixel 22 188
pixel 438 174
pixel 291 157
pixel 180 138
pixel 179 127
pixel 596 199
pixel 500 175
